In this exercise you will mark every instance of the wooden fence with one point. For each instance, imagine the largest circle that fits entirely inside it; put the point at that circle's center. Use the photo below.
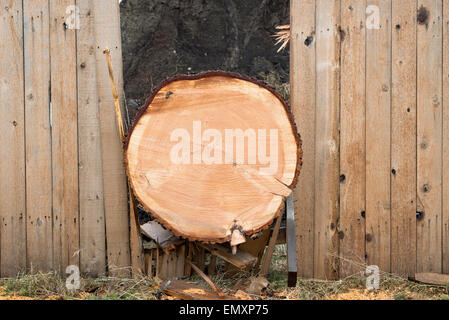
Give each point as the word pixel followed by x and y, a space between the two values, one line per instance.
pixel 63 197
pixel 370 92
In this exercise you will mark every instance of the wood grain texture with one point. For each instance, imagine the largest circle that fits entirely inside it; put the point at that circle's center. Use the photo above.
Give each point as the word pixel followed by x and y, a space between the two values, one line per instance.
pixel 91 192
pixel 181 261
pixel 378 137
pixel 38 135
pixel 148 258
pixel 302 97
pixel 434 279
pixel 52 131
pixel 64 136
pixel 107 34
pixel 241 259
pixel 12 165
pixel 188 291
pixel 230 185
pixel 429 135
pixel 445 236
pixel 327 139
pixel 352 137
pixel 403 139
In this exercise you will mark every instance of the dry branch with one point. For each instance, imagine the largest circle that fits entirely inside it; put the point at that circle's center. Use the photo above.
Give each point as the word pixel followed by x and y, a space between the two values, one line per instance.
pixel 207 279
pixel 282 36
pixel 137 259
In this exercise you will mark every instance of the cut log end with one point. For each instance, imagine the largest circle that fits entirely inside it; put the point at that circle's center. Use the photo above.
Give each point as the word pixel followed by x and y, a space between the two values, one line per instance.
pixel 212 151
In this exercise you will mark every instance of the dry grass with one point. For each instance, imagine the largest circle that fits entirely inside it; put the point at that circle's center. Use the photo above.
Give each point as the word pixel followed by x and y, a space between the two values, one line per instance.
pixel 352 288
pixel 273 80
pixel 51 286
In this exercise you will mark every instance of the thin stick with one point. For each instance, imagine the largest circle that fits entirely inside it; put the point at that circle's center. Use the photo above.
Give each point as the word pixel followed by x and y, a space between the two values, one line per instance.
pixel 207 279
pixel 118 112
pixel 137 260
pixel 265 270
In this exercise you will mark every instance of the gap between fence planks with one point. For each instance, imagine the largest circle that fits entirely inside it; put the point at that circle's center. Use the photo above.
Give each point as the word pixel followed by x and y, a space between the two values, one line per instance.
pixel 445 222
pixel 137 261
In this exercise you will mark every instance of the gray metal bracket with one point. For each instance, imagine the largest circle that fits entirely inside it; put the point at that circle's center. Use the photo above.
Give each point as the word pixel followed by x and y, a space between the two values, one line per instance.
pixel 291 243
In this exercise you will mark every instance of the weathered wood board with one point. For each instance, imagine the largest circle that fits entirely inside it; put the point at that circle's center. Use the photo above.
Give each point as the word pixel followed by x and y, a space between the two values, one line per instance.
pixel 378 136
pixel 63 193
pixel 352 137
pixel 436 279
pixel 372 90
pixel 429 134
pixel 12 123
pixel 403 139
pixel 303 96
pixel 38 151
pixel 64 130
pixel 91 191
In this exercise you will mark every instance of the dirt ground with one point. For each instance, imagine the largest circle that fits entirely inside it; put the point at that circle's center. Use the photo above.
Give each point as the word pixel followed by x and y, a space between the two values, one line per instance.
pixel 52 287
pixel 163 38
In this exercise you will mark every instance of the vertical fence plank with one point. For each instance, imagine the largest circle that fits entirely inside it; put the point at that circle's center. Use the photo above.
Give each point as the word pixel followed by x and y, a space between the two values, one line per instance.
pixel 403 138
pixel 352 139
pixel 327 139
pixel 302 72
pixel 429 134
pixel 12 165
pixel 64 134
pixel 107 34
pixel 446 136
pixel 378 117
pixel 38 135
pixel 92 223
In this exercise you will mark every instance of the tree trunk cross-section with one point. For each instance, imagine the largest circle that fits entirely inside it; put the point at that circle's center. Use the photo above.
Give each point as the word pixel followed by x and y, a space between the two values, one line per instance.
pixel 213 153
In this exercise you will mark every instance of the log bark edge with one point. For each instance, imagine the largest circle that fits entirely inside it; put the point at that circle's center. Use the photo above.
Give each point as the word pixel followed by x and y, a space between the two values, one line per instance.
pixel 208 74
